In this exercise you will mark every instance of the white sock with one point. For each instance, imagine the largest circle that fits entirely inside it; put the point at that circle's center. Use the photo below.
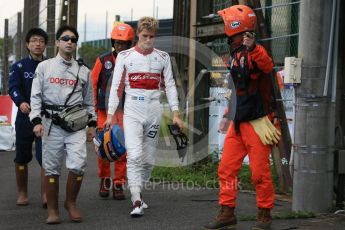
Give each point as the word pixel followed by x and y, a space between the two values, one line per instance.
pixel 135 193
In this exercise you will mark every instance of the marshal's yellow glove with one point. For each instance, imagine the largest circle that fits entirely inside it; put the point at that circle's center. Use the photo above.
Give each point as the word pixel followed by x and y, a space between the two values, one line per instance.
pixel 264 128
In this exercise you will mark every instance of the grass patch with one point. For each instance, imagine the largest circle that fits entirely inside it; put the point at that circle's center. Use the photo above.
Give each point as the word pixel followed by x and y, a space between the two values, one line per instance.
pixel 204 174
pixel 201 176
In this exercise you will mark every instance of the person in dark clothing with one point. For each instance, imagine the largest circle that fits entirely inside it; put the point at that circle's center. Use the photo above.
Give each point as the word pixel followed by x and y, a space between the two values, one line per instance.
pixel 20 81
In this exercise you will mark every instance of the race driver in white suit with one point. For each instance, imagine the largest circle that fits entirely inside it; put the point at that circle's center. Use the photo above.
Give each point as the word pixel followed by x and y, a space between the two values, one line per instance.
pixel 142 68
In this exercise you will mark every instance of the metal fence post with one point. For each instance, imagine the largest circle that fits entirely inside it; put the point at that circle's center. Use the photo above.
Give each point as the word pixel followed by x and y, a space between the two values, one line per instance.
pixel 5 60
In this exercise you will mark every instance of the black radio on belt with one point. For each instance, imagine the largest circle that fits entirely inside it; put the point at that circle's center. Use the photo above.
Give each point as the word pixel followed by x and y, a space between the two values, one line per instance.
pixel 53 115
pixel 56 119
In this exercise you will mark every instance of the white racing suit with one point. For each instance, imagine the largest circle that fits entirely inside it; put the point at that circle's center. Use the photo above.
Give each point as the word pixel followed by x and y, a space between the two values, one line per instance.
pixel 53 82
pixel 142 75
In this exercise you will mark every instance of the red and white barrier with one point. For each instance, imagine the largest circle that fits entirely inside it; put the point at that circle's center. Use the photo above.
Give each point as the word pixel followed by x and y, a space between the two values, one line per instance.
pixel 8 109
pixel 7 131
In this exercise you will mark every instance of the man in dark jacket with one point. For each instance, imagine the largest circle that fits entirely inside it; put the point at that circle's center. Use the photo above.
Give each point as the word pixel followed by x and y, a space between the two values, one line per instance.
pixel 20 81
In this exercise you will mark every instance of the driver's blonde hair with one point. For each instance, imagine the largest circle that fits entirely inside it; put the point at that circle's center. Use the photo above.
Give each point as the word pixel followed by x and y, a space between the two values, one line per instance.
pixel 148 23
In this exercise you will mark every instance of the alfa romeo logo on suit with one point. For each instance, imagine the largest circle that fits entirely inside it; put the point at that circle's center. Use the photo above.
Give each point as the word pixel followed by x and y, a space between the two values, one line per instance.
pixel 108 65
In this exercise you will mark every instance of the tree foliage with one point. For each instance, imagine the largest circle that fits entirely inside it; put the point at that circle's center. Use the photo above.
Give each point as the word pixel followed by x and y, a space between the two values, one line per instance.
pixel 89 53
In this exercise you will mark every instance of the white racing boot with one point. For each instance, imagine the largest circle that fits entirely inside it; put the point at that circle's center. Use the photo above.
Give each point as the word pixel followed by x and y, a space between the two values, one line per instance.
pixel 138 209
pixel 144 204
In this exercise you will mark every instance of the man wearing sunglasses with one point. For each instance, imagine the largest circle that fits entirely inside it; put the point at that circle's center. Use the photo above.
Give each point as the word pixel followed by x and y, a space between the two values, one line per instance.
pixel 62 82
pixel 142 69
pixel 20 81
pixel 122 37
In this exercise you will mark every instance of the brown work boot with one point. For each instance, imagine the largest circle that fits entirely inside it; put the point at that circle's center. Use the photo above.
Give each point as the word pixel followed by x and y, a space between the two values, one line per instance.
pixel 264 219
pixel 52 192
pixel 118 192
pixel 22 184
pixel 226 219
pixel 104 187
pixel 72 190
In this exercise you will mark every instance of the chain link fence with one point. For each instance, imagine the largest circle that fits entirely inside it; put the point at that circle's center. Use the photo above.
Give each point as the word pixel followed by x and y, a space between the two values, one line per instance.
pixel 281 20
pixel 9 49
pixel 36 13
pixel 15 38
pixel 39 13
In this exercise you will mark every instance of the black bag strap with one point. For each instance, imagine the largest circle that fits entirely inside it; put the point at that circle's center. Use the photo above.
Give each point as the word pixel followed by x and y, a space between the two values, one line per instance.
pixel 80 63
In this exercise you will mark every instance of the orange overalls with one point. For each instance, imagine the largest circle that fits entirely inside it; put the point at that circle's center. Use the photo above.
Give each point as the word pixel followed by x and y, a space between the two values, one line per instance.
pixel 104 170
pixel 243 140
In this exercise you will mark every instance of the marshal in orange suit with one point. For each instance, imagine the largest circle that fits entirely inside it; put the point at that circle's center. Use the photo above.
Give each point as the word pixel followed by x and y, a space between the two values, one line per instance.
pixel 122 37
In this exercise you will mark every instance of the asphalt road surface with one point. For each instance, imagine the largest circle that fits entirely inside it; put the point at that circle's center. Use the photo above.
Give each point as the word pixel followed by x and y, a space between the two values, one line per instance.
pixel 171 206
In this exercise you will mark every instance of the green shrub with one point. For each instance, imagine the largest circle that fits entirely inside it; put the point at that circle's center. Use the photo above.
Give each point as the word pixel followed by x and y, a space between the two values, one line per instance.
pixel 204 175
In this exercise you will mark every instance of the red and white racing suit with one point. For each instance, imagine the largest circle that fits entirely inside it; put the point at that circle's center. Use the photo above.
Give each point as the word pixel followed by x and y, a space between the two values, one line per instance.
pixel 142 74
